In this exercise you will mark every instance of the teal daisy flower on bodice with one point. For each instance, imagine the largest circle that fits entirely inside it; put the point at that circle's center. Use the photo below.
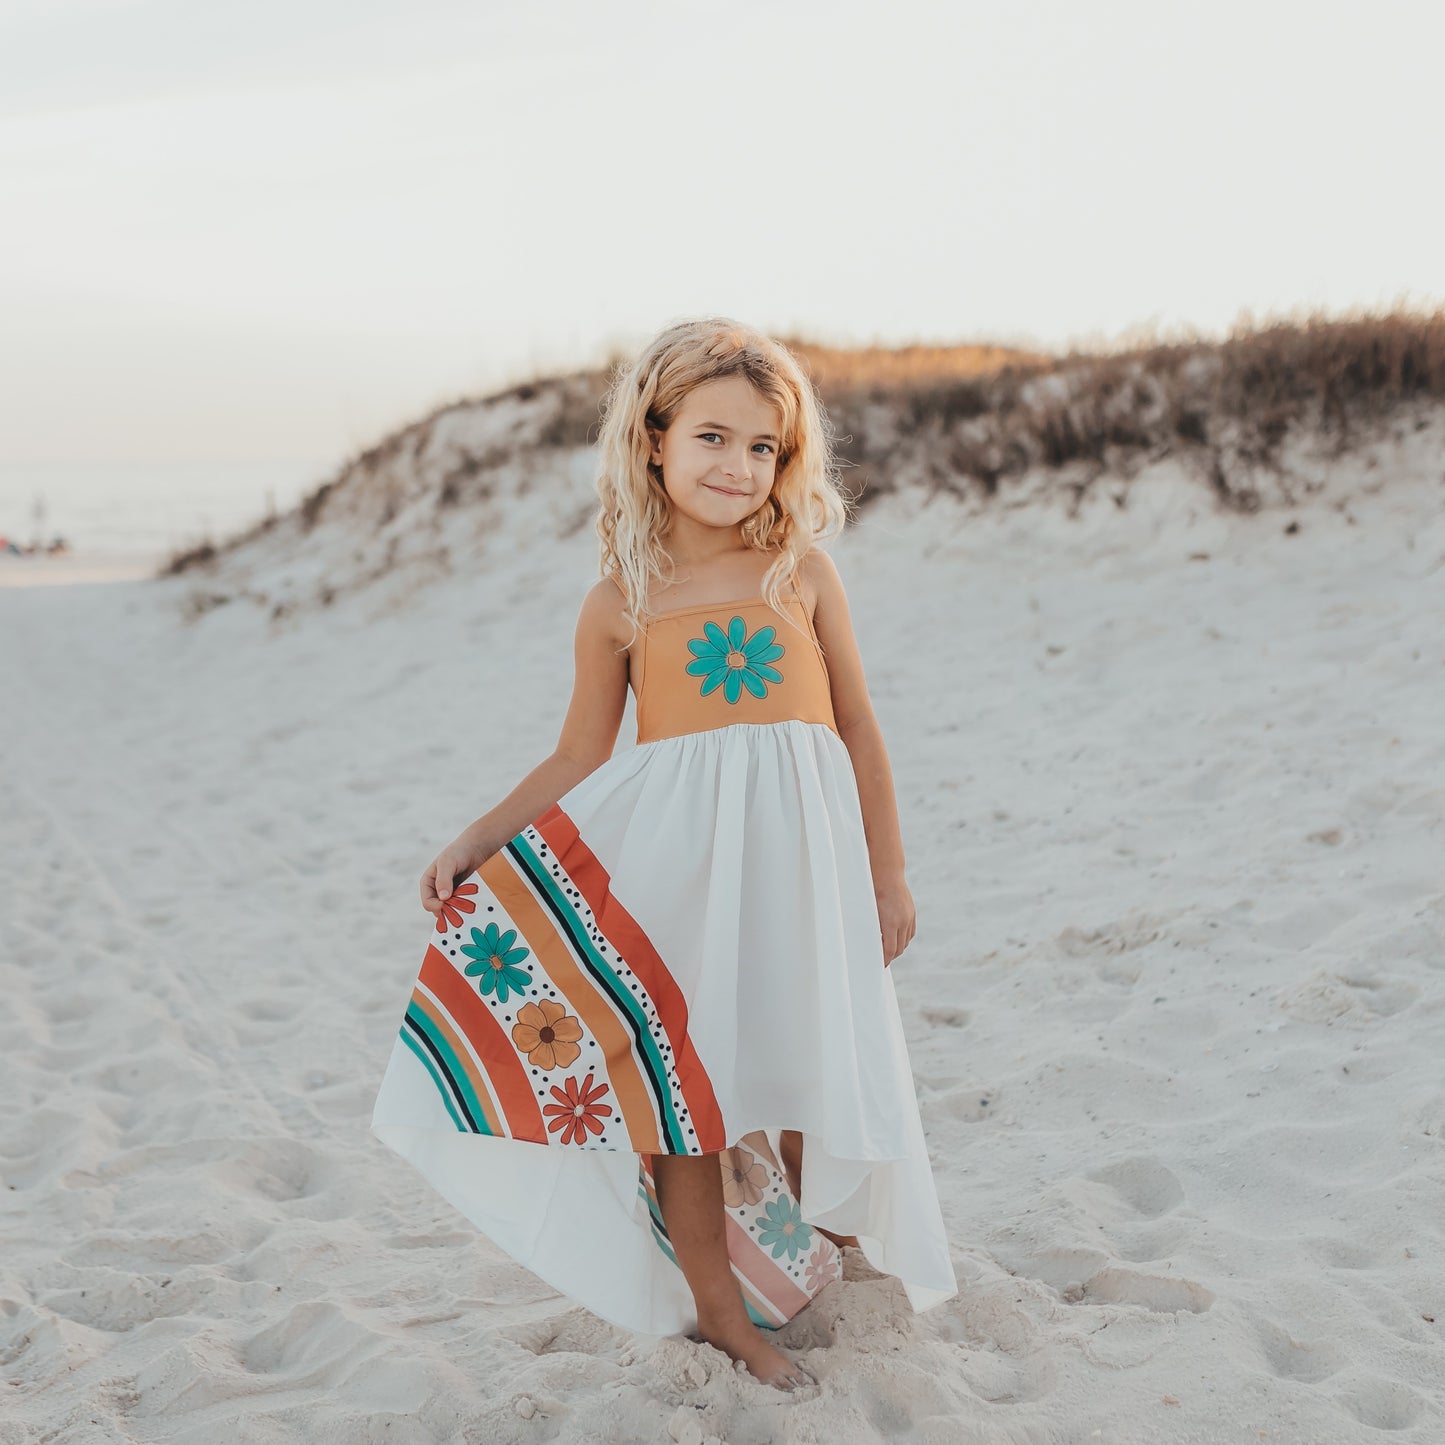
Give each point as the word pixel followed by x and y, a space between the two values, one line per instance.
pixel 782 1230
pixel 496 960
pixel 733 661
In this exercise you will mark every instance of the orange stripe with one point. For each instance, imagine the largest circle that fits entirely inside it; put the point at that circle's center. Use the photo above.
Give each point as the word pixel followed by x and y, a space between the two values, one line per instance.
pixel 627 936
pixel 443 1025
pixel 754 1265
pixel 501 1060
pixel 537 926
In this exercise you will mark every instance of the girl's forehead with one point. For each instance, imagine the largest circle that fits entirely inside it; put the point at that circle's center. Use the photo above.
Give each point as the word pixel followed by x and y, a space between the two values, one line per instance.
pixel 732 400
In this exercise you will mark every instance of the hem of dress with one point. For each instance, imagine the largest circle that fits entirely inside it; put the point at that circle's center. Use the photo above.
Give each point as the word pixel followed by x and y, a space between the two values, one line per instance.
pixel 921 1295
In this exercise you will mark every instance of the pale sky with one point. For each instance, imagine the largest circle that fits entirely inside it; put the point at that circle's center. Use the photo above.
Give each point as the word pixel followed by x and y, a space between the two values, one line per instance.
pixel 281 228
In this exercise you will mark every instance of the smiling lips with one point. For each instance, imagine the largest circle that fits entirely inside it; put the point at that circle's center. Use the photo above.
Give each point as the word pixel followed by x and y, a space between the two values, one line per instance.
pixel 727 492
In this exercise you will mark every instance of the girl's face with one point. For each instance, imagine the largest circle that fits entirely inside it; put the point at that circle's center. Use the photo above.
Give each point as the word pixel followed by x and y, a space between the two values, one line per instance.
pixel 719 457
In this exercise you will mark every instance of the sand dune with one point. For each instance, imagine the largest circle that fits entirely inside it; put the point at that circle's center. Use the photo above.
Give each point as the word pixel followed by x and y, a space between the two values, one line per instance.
pixel 1172 786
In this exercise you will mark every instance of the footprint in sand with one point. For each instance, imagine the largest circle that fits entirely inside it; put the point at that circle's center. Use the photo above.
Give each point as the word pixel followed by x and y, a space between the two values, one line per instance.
pixel 1144 1184
pixel 1292 1359
pixel 1382 1404
pixel 1153 1292
pixel 969 1102
pixel 1119 935
pixel 575 1331
pixel 946 1017
pixel 1356 1000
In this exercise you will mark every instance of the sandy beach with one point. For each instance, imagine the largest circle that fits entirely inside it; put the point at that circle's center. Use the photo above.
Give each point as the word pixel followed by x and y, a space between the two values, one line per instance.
pixel 1172 784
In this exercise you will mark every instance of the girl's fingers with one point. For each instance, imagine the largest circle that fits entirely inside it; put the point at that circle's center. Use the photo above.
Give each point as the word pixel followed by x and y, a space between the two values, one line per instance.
pixel 437 881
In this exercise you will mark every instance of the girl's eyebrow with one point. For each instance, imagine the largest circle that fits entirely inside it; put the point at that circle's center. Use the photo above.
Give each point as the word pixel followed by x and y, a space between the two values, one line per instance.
pixel 762 436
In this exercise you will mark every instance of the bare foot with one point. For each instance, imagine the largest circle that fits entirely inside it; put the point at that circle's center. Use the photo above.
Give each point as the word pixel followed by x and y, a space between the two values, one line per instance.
pixel 740 1339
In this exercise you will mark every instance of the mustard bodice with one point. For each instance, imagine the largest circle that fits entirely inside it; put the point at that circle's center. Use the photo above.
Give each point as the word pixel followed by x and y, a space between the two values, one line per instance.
pixel 719 663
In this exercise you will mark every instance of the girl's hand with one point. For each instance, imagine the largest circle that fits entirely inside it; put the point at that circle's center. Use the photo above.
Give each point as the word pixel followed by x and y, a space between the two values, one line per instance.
pixel 462 856
pixel 897 919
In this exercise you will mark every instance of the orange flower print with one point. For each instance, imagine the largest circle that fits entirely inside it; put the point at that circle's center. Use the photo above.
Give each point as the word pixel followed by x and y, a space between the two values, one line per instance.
pixel 743 1177
pixel 824 1266
pixel 452 908
pixel 577 1110
pixel 547 1034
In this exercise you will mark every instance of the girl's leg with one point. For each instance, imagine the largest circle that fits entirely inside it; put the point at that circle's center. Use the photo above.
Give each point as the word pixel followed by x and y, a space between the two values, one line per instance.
pixel 790 1146
pixel 689 1194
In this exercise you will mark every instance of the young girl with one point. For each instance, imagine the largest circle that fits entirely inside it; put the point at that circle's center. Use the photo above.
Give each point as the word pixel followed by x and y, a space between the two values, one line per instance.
pixel 653 1050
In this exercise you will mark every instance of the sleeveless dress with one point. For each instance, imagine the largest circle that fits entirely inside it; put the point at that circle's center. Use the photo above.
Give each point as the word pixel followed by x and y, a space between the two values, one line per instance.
pixel 681 956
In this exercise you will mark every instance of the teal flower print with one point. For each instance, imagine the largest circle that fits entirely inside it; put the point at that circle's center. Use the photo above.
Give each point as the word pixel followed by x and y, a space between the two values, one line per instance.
pixel 733 661
pixel 496 961
pixel 784 1229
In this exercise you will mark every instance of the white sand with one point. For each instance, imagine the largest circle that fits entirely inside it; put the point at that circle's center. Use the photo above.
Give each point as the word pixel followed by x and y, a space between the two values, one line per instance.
pixel 1175 834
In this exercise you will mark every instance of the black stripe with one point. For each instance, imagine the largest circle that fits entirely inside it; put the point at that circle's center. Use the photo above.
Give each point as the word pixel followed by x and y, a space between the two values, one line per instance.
pixel 571 925
pixel 446 1073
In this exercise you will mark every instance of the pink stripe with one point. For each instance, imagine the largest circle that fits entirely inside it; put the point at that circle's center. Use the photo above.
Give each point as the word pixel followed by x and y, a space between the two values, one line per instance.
pixel 759 1269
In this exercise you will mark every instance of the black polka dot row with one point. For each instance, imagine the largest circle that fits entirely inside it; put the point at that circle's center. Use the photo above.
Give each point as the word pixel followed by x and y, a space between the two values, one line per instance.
pixel 584 912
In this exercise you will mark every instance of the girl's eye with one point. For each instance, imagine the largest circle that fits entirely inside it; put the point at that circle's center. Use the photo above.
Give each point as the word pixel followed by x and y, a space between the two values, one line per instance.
pixel 705 435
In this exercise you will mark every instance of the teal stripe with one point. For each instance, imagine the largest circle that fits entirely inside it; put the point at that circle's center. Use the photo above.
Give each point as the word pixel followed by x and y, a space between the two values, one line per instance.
pixel 436 1078
pixel 454 1065
pixel 657 1225
pixel 565 912
pixel 663 1245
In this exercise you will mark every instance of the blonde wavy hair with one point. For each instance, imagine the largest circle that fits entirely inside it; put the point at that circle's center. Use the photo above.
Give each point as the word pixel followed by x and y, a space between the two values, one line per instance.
pixel 805 506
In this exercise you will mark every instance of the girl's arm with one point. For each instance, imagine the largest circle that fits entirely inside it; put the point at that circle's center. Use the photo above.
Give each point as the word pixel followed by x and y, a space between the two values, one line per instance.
pixel 589 733
pixel 859 729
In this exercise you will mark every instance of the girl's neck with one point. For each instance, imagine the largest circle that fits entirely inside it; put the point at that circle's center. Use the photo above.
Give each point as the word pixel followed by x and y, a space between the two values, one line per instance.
pixel 726 573
pixel 702 547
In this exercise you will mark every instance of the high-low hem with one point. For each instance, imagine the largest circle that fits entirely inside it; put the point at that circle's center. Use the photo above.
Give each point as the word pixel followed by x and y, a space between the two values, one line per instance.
pixel 583 1207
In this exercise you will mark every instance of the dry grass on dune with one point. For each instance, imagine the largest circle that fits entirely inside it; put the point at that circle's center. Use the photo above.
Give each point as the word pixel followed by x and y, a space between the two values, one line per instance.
pixel 1228 403
pixel 839 371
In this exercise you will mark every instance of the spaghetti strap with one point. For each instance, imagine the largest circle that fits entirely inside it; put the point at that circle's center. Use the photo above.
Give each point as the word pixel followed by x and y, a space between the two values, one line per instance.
pixel 641 640
pixel 641 634
pixel 807 613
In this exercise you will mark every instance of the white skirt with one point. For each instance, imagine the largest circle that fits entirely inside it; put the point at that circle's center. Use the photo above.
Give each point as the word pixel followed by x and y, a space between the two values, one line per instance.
pixel 697 919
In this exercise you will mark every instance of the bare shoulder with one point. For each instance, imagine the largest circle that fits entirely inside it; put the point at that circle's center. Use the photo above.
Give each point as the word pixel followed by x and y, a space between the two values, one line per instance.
pixel 599 689
pixel 604 611
pixel 821 584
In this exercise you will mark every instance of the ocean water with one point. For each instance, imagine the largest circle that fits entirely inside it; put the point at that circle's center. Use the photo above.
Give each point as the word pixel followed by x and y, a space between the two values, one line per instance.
pixel 143 511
